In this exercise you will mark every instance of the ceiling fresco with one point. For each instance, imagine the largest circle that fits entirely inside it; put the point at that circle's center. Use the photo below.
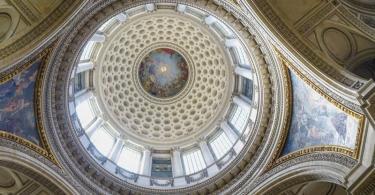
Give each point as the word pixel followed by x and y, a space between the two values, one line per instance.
pixel 163 73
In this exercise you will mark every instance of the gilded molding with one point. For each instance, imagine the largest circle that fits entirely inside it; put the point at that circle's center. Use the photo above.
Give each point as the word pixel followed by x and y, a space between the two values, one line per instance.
pixel 45 149
pixel 287 119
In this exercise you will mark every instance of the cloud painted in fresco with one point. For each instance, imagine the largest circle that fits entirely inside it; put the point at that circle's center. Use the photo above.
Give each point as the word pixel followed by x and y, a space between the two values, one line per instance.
pixel 315 121
pixel 17 105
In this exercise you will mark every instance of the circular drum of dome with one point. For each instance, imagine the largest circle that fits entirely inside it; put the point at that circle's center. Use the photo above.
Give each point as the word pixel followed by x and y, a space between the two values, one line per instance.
pixel 165 98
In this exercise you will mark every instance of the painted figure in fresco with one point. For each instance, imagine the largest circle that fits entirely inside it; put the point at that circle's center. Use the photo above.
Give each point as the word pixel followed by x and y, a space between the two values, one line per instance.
pixel 339 122
pixel 14 106
pixel 163 72
pixel 315 121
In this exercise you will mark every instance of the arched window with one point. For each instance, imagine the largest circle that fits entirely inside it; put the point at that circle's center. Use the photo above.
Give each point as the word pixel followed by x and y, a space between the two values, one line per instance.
pixel 103 140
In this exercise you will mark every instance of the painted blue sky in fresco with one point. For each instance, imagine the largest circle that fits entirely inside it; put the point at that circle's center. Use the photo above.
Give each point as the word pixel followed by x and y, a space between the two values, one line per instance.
pixel 17 105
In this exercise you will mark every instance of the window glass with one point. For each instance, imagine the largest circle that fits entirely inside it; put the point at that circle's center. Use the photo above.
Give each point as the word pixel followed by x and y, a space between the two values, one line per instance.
pixel 239 118
pixel 130 159
pixel 87 50
pixel 193 161
pixel 220 145
pixel 102 140
pixel 85 113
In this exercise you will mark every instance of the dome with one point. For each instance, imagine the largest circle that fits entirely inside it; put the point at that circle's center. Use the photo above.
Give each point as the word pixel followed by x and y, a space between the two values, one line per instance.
pixel 162 78
pixel 164 82
pixel 187 97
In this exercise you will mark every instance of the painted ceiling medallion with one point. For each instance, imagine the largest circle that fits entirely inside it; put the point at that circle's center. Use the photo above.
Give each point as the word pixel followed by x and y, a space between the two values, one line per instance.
pixel 163 73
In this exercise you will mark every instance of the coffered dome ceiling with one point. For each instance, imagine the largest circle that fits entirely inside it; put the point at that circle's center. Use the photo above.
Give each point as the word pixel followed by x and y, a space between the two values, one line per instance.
pixel 163 78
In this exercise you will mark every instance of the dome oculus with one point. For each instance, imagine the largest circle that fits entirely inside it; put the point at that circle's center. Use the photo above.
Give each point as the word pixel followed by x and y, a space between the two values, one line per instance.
pixel 163 73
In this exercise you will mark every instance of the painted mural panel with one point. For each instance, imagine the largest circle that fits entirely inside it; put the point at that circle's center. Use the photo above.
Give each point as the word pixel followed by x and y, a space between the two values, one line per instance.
pixel 163 73
pixel 17 105
pixel 315 121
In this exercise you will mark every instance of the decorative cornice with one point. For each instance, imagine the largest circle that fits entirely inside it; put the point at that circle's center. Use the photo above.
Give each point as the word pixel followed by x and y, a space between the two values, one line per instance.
pixel 370 32
pixel 36 32
pixel 368 186
pixel 268 12
pixel 33 175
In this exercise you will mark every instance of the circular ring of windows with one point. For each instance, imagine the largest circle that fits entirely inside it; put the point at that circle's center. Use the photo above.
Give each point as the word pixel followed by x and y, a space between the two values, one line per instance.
pixel 219 101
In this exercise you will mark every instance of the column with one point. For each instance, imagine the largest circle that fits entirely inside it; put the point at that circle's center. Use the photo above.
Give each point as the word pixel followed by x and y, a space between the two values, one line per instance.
pixel 231 43
pixel 116 149
pixel 177 163
pixel 244 72
pixel 150 7
pixel 230 132
pixel 206 152
pixel 181 8
pixel 210 20
pixel 95 125
pixel 241 103
pixel 146 162
pixel 367 100
pixel 83 97
pixel 208 158
pixel 84 66
pixel 98 38
pixel 121 17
